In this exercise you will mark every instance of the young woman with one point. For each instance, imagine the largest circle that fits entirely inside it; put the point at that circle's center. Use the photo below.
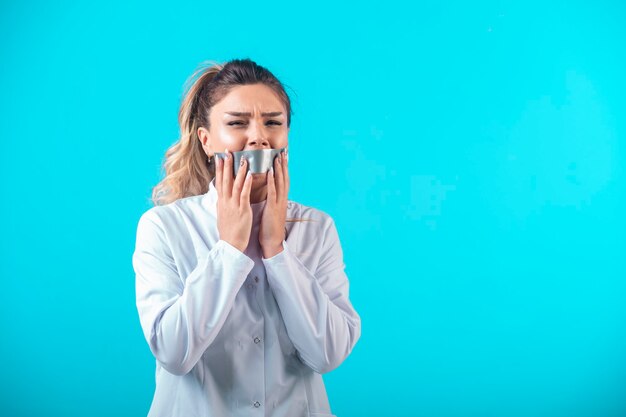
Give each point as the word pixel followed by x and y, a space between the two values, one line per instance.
pixel 241 293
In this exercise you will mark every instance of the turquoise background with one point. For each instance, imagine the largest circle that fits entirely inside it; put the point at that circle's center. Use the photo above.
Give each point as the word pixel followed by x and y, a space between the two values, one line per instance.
pixel 471 154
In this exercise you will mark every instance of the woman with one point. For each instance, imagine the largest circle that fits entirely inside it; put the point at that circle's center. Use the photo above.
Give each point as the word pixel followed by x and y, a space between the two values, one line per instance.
pixel 241 293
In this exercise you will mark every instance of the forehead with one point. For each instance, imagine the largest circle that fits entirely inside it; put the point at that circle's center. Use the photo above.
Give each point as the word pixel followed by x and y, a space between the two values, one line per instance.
pixel 250 98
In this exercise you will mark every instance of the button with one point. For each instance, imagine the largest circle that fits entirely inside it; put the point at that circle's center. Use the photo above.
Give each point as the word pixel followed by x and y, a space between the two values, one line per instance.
pixel 256 279
pixel 257 340
pixel 257 404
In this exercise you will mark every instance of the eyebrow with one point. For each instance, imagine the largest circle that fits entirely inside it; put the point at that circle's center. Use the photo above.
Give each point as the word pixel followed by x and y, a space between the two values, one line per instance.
pixel 270 114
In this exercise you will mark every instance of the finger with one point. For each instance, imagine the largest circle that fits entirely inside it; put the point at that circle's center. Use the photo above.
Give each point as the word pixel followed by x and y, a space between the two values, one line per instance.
pixel 244 199
pixel 240 178
pixel 219 163
pixel 286 175
pixel 271 188
pixel 227 175
pixel 278 170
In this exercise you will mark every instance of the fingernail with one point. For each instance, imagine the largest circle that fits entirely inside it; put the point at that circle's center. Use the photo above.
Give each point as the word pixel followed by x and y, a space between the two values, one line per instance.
pixel 249 174
pixel 241 162
pixel 272 170
pixel 227 153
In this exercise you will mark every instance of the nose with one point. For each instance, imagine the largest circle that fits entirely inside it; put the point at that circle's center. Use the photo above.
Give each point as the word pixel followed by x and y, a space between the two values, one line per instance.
pixel 254 144
pixel 257 139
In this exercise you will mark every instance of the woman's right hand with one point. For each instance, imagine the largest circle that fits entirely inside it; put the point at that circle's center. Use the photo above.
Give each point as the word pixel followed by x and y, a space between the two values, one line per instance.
pixel 234 214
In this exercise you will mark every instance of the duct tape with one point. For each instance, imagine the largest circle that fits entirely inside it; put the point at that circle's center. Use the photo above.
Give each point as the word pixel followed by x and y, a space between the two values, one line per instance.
pixel 259 160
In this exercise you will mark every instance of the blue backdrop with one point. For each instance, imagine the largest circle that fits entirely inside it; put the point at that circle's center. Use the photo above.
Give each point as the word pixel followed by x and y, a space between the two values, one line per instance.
pixel 472 155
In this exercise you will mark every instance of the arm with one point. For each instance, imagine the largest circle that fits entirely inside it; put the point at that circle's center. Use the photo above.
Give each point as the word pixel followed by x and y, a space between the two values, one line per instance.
pixel 318 315
pixel 180 321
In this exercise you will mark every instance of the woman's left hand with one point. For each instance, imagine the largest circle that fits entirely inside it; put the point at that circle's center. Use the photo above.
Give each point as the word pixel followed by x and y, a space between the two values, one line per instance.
pixel 272 229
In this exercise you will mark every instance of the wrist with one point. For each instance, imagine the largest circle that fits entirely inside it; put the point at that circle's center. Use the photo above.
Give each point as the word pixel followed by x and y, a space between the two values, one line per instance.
pixel 271 251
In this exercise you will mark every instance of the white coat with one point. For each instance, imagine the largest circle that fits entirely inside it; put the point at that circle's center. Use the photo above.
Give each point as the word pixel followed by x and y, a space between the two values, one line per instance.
pixel 233 333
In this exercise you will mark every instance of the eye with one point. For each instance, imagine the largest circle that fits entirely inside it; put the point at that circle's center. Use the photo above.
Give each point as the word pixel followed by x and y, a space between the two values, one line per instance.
pixel 235 123
pixel 276 122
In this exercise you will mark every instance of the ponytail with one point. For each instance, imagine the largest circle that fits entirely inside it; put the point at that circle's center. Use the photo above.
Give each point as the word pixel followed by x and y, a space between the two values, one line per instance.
pixel 187 171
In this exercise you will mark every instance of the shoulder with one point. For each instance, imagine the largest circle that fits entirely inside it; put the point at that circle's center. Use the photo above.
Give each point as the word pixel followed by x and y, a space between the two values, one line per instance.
pixel 315 233
pixel 313 223
pixel 309 212
pixel 168 214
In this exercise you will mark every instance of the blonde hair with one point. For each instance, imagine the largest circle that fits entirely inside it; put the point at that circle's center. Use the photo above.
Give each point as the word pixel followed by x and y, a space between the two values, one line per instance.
pixel 187 169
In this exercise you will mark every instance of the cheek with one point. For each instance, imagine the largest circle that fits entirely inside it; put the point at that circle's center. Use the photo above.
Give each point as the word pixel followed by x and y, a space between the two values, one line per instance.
pixel 231 139
pixel 283 139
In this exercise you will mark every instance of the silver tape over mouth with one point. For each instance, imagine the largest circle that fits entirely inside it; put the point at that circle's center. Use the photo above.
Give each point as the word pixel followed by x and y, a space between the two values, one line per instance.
pixel 259 160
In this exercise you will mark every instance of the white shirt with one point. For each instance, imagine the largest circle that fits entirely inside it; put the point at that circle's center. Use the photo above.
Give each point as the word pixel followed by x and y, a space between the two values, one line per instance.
pixel 233 333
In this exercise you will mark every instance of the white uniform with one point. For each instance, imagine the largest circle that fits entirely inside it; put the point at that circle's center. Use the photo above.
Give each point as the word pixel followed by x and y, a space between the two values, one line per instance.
pixel 233 333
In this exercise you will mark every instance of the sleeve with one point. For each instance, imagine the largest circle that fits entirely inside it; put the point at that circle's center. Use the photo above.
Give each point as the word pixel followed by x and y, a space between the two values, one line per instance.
pixel 319 318
pixel 180 318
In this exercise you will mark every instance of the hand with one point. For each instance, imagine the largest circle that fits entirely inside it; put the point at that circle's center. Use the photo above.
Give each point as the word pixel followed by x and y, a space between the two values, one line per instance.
pixel 272 229
pixel 234 214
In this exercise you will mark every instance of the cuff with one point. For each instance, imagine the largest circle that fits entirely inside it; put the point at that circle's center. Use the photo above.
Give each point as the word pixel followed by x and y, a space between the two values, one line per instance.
pixel 276 258
pixel 238 258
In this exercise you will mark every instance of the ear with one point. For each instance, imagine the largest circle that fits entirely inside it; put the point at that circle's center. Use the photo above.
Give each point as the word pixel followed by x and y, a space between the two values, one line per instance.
pixel 205 139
